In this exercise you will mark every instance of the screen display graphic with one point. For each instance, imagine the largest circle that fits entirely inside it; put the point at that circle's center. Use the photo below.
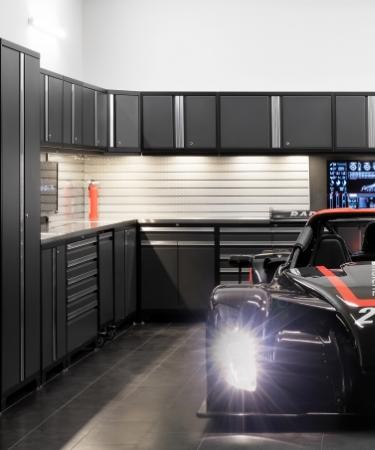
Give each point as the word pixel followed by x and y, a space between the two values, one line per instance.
pixel 351 184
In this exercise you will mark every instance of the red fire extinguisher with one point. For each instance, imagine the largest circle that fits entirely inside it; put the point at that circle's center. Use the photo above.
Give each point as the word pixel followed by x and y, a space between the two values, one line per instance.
pixel 93 200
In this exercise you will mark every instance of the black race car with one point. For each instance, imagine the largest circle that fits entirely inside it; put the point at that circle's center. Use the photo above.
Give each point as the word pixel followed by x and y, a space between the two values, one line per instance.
pixel 301 337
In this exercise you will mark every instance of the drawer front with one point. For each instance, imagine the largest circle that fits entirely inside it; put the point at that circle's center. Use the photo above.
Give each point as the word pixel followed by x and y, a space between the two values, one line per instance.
pixel 82 329
pixel 82 305
pixel 82 288
pixel 82 271
pixel 81 252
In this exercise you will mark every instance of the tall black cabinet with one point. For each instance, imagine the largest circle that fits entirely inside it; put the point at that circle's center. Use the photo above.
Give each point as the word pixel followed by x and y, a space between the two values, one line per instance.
pixel 20 222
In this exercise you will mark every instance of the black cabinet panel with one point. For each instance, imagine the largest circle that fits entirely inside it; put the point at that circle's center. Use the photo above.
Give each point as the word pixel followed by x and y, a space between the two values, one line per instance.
pixel 200 121
pixel 306 122
pixel 158 122
pixel 67 114
pixel 159 278
pixel 245 122
pixel 77 111
pixel 88 118
pixel 10 219
pixel 53 297
pixel 102 119
pixel 119 274
pixel 32 218
pixel 127 121
pixel 196 276
pixel 130 271
pixel 42 109
pixel 55 109
pixel 106 279
pixel 351 121
pixel 82 329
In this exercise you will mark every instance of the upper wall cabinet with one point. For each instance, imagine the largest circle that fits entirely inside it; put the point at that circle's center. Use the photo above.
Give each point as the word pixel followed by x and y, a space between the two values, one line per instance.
pixel 72 115
pixel 158 124
pixel 51 103
pixel 126 129
pixel 199 122
pixel 245 122
pixel 101 119
pixel 306 122
pixel 88 117
pixel 186 124
pixel 351 122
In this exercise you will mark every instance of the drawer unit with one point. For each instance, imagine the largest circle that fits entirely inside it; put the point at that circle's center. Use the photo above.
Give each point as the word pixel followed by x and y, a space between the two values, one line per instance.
pixel 82 251
pixel 82 291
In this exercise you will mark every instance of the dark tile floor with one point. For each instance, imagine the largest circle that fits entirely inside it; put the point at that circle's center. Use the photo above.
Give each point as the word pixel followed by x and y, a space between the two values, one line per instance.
pixel 142 392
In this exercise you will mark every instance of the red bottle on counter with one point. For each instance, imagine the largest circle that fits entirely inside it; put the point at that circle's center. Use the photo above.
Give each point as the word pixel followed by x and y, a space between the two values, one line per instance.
pixel 93 200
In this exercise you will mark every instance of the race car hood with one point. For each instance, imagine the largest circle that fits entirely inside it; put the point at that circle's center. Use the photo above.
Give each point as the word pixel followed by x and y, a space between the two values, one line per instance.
pixel 351 290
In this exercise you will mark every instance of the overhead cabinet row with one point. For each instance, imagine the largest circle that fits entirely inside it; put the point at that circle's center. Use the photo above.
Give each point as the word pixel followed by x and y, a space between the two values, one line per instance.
pixel 78 115
pixel 236 122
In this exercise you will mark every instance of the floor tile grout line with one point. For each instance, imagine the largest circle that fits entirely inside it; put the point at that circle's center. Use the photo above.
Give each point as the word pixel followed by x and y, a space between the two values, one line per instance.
pixel 85 389
pixel 136 385
pixel 83 358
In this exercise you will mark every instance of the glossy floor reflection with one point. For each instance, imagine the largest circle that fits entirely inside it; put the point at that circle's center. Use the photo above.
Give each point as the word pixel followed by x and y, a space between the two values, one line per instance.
pixel 142 392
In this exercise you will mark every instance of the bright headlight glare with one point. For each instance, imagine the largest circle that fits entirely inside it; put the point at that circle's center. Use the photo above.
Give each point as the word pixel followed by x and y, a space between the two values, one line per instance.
pixel 236 354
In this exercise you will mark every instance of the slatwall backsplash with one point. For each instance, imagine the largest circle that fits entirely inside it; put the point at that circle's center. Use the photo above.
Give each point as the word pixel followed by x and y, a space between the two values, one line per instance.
pixel 198 186
pixel 71 186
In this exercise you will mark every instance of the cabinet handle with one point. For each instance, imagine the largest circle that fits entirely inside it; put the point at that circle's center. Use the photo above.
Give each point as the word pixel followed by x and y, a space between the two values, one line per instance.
pixel 75 139
pixel 190 143
pixel 119 143
pixel 287 143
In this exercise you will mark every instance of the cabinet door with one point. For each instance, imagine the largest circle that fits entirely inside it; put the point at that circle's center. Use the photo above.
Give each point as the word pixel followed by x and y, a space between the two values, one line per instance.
pixel 77 111
pixel 101 119
pixel 127 121
pixel 120 277
pixel 67 114
pixel 306 122
pixel 106 297
pixel 196 276
pixel 31 219
pixel 159 278
pixel 88 117
pixel 130 271
pixel 245 122
pixel 55 110
pixel 158 122
pixel 10 220
pixel 53 297
pixel 200 121
pixel 351 121
pixel 42 109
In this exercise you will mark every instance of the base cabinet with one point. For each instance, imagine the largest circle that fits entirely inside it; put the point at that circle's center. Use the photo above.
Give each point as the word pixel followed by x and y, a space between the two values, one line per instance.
pixel 106 279
pixel 196 276
pixel 177 268
pixel 159 278
pixel 53 297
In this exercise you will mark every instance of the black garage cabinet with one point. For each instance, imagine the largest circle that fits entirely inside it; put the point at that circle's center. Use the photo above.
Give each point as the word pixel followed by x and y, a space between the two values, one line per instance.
pixel 20 222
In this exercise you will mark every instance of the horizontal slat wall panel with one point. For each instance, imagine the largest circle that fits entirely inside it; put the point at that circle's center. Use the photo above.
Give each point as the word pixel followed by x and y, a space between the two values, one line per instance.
pixel 204 187
pixel 71 186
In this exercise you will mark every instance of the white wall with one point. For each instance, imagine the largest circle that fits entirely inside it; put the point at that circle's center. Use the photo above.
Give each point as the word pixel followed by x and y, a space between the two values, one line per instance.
pixel 230 44
pixel 57 54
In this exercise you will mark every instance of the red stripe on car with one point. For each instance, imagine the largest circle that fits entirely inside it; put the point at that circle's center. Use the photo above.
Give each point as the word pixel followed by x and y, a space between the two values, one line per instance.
pixel 344 290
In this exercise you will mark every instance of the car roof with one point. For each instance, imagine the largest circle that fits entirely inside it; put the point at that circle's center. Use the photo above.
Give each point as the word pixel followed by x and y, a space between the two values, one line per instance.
pixel 340 213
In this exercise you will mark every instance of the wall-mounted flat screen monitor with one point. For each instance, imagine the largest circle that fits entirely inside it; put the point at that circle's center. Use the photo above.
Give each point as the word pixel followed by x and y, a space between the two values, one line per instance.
pixel 351 184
